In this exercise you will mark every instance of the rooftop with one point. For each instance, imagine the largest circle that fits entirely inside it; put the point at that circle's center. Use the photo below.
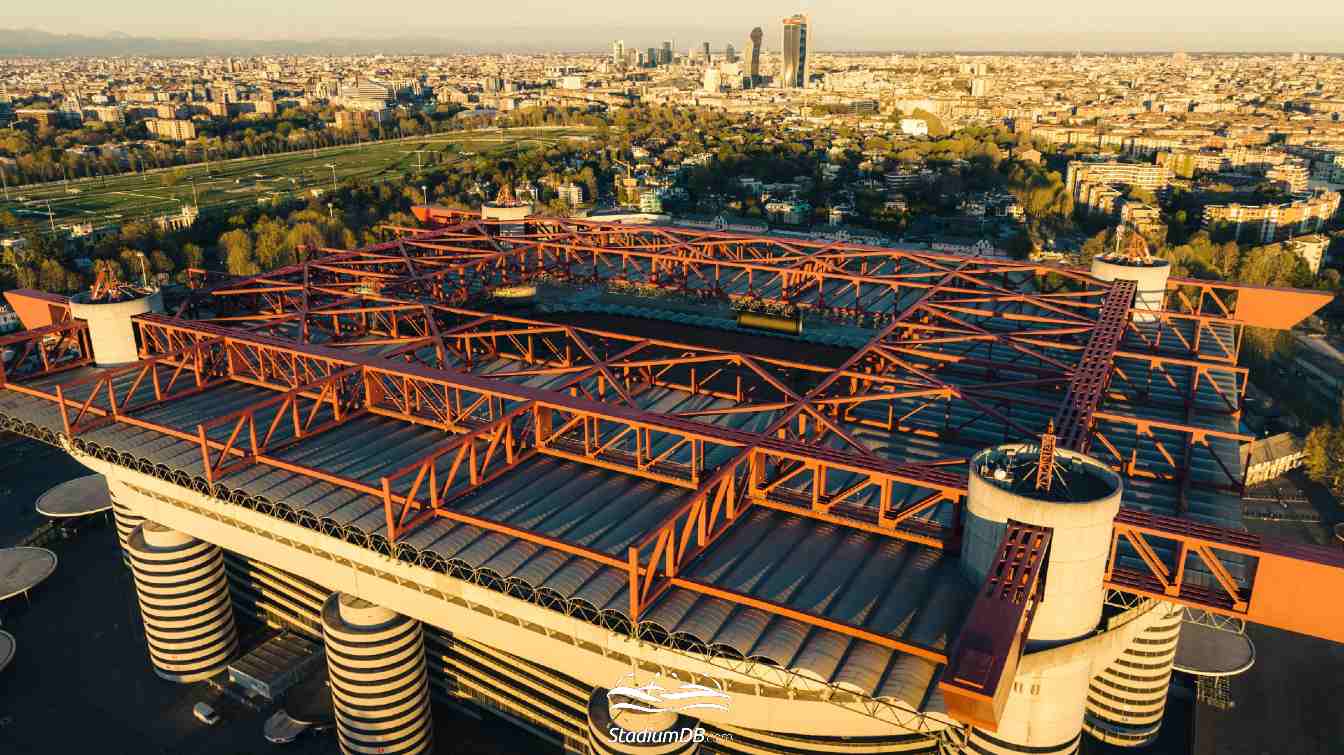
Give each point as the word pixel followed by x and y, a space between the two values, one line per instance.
pixel 722 500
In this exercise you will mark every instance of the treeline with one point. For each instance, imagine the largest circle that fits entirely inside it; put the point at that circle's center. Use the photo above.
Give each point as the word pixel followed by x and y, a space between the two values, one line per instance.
pixel 43 154
pixel 260 239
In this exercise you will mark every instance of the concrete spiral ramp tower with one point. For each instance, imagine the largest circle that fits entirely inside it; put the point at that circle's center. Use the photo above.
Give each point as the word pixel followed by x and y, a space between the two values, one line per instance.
pixel 629 732
pixel 379 687
pixel 184 600
pixel 1126 701
pixel 1045 708
pixel 126 520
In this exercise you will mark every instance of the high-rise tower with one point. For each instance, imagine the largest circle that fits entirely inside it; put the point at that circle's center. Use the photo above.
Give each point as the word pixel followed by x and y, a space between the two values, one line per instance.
pixel 754 54
pixel 794 72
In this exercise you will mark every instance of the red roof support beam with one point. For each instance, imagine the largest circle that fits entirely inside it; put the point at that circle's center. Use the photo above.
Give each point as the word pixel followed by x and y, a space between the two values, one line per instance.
pixel 1092 374
pixel 982 662
pixel 1288 587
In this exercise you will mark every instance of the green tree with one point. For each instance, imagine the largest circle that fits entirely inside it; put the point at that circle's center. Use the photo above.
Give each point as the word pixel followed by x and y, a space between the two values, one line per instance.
pixel 192 256
pixel 1324 462
pixel 304 239
pixel 239 258
pixel 51 276
pixel 935 124
pixel 270 245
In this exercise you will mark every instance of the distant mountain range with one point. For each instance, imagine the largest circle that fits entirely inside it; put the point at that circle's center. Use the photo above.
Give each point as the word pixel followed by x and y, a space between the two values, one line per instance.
pixel 41 44
pixel 572 35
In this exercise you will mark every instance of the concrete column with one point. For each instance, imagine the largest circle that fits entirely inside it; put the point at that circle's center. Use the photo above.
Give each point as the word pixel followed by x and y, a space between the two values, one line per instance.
pixel 111 333
pixel 1045 708
pixel 1044 714
pixel 184 600
pixel 1126 701
pixel 1151 280
pixel 376 661
pixel 630 732
pixel 1080 508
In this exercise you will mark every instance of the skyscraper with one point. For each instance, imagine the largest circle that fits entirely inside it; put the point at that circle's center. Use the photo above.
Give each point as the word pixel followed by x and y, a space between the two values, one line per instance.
pixel 618 52
pixel 729 53
pixel 794 74
pixel 651 57
pixel 666 58
pixel 754 55
pixel 705 52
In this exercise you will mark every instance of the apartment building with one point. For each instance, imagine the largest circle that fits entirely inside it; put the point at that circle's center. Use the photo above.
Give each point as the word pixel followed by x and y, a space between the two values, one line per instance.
pixel 1293 176
pixel 174 129
pixel 1151 177
pixel 1263 224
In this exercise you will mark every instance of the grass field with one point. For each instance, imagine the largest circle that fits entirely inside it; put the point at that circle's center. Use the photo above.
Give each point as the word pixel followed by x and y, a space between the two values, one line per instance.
pixel 221 186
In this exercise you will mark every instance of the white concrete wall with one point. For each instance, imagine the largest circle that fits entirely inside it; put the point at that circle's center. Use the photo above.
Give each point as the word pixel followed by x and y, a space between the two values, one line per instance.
pixel 110 330
pixel 1151 291
pixel 1079 549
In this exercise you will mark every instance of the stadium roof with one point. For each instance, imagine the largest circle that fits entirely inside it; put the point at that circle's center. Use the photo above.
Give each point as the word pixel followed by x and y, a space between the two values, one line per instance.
pixel 708 493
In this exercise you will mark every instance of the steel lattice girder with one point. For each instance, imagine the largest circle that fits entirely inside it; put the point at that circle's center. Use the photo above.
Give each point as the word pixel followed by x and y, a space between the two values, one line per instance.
pixel 947 329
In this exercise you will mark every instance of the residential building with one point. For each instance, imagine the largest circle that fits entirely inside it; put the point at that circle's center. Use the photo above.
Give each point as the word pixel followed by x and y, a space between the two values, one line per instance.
pixel 1263 224
pixel 571 194
pixel 907 178
pixel 364 118
pixel 44 117
pixel 174 129
pixel 1293 176
pixel 791 212
pixel 914 126
pixel 1311 248
pixel 1151 177
pixel 649 201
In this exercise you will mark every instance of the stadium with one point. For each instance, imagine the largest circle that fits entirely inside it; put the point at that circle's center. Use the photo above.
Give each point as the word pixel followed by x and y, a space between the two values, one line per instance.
pixel 883 500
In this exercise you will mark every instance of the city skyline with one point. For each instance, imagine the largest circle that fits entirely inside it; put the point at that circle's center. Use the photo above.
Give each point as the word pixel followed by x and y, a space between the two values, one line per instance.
pixel 844 25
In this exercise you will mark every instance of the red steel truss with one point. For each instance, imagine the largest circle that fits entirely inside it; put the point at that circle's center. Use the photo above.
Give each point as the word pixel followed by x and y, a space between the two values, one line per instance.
pixel 955 346
pixel 983 660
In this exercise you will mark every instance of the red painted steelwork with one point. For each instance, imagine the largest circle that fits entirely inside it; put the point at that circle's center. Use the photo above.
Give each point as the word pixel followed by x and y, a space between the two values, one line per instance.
pixel 982 662
pixel 386 330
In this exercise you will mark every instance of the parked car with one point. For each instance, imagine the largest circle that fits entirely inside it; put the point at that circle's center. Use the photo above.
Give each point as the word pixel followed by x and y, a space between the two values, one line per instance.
pixel 205 714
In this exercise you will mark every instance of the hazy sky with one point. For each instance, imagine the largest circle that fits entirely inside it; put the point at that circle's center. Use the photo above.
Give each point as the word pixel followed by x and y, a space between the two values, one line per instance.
pixel 1312 25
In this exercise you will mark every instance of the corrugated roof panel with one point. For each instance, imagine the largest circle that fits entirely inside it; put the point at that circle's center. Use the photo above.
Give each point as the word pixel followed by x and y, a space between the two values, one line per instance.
pixel 780 641
pixel 864 667
pixel 569 578
pixel 821 655
pixel 908 678
pixel 602 587
pixel 704 620
pixel 541 566
pixel 744 631
pixel 484 548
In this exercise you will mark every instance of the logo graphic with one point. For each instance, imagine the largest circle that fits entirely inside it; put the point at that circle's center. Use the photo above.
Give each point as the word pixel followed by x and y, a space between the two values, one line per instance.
pixel 654 697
